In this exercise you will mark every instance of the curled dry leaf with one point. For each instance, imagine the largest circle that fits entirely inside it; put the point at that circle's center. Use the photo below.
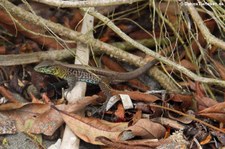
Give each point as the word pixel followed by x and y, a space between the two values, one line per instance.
pixel 187 64
pixel 121 144
pixel 216 112
pixel 7 94
pixel 89 128
pixel 183 119
pixel 138 96
pixel 169 122
pixel 25 116
pixel 50 120
pixel 11 106
pixel 185 99
pixel 2 49
pixel 147 129
pixel 39 118
pixel 176 140
pixel 120 113
pixel 202 100
pixel 220 68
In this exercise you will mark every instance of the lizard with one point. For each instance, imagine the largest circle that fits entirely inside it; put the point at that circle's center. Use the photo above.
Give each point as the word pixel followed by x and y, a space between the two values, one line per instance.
pixel 88 74
pixel 92 75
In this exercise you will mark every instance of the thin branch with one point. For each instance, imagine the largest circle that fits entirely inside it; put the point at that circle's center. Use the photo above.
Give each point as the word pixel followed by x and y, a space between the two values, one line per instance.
pixel 204 30
pixel 27 58
pixel 95 3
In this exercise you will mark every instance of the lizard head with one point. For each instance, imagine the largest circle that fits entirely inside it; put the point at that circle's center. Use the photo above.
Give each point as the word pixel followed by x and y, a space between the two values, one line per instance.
pixel 48 67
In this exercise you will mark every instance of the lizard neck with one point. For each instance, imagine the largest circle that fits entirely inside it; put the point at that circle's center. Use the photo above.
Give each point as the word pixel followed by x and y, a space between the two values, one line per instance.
pixel 60 72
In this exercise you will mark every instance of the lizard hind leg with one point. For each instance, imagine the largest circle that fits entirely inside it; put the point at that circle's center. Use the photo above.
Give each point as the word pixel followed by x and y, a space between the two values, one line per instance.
pixel 104 86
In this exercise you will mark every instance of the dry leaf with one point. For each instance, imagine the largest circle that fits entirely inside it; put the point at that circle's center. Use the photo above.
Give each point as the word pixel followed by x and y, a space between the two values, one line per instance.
pixel 187 64
pixel 120 113
pixel 176 140
pixel 147 129
pixel 89 128
pixel 216 112
pixel 185 99
pixel 183 119
pixel 137 96
pixel 121 144
pixel 220 68
pixel 26 115
pixel 203 102
pixel 206 140
pixel 169 122
pixel 51 120
pixel 11 106
pixel 41 118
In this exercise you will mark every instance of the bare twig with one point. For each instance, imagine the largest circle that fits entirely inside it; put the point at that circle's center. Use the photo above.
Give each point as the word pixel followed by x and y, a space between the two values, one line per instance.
pixel 27 58
pixel 204 30
pixel 94 3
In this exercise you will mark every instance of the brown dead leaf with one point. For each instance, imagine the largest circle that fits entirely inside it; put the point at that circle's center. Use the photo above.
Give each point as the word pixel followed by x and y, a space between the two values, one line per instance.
pixel 7 94
pixel 47 122
pixel 169 122
pixel 147 129
pixel 11 106
pixel 182 119
pixel 120 144
pixel 220 68
pixel 176 140
pixel 51 120
pixel 40 118
pixel 203 102
pixel 137 96
pixel 136 116
pixel 206 140
pixel 89 128
pixel 2 49
pixel 216 112
pixel 185 99
pixel 120 113
pixel 187 64
pixel 26 115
